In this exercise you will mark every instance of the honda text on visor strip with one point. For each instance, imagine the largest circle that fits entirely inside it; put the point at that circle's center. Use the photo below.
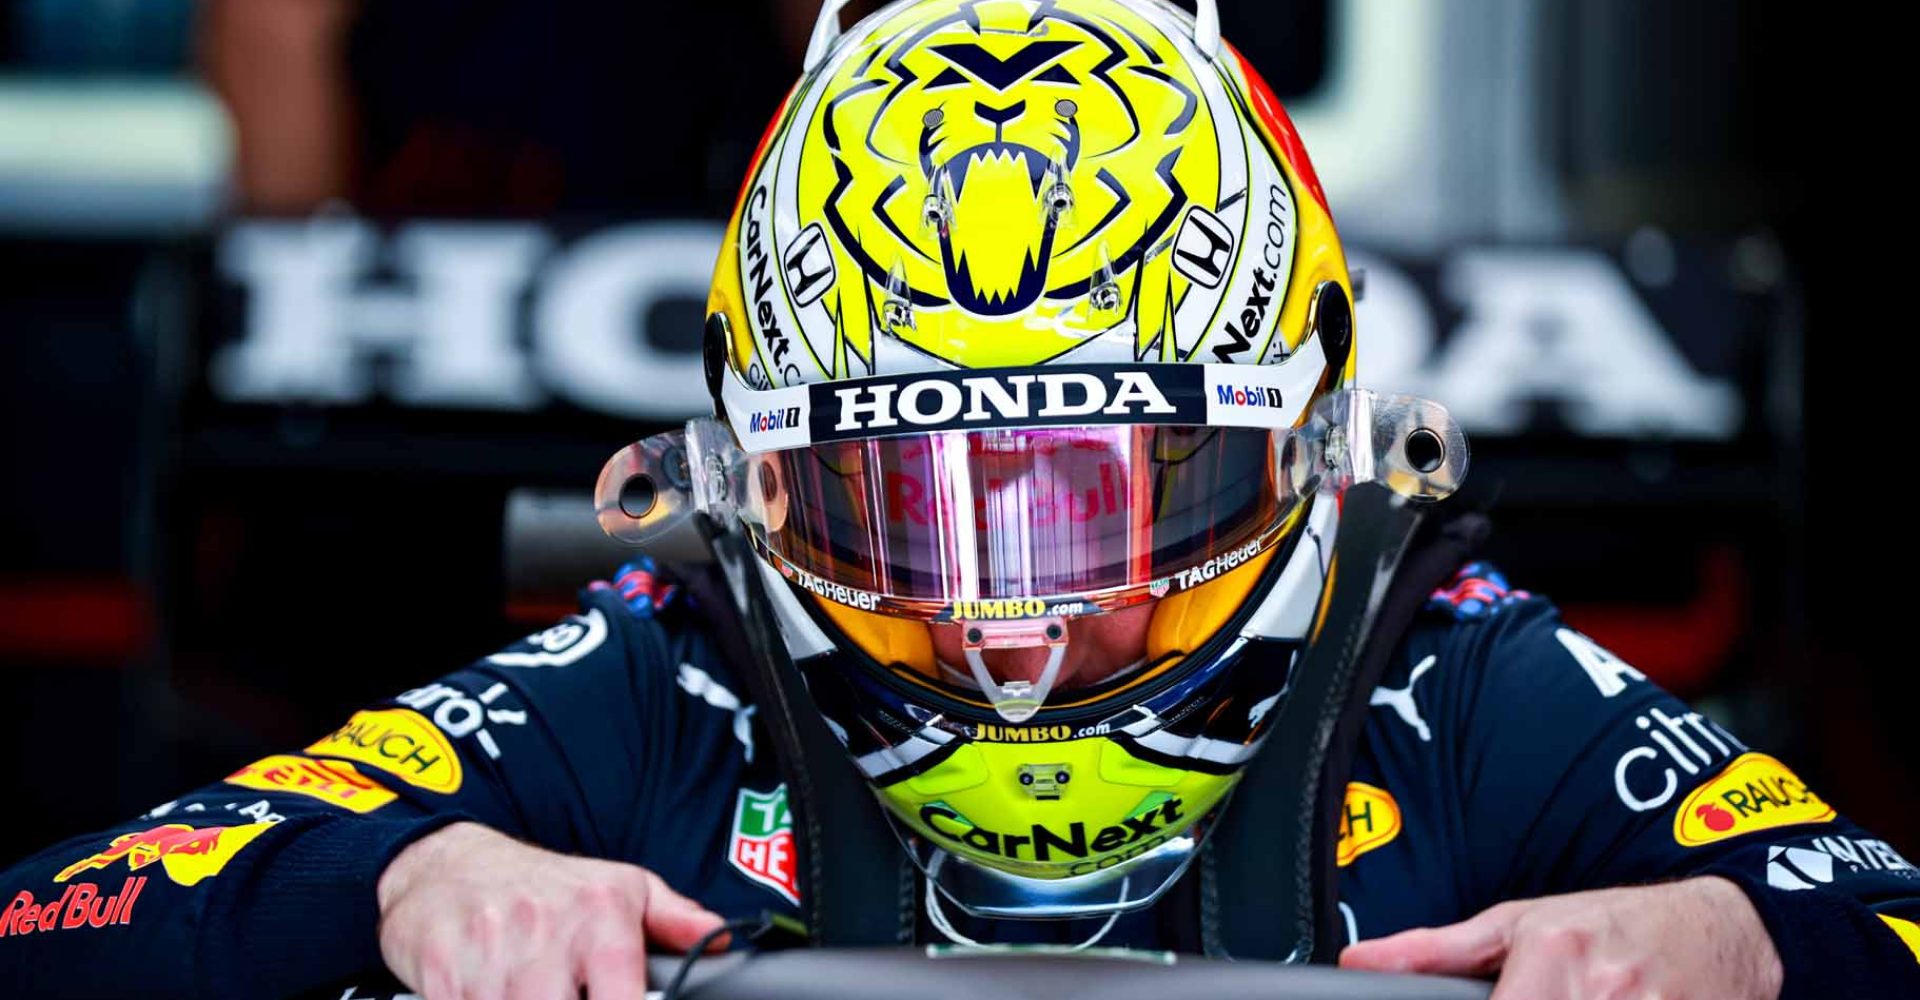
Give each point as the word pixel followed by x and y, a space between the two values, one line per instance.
pixel 1009 501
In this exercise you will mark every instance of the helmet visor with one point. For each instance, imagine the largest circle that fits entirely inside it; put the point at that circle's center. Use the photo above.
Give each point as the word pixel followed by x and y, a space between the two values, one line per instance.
pixel 1023 513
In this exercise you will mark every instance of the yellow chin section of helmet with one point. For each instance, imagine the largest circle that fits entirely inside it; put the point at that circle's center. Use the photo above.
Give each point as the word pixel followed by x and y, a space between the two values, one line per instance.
pixel 1051 808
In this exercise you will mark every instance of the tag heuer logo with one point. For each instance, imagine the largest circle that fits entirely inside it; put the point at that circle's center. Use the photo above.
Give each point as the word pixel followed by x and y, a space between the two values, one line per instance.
pixel 762 843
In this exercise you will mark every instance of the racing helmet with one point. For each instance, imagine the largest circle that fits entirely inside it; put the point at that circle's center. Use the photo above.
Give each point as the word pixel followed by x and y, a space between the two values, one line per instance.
pixel 1032 313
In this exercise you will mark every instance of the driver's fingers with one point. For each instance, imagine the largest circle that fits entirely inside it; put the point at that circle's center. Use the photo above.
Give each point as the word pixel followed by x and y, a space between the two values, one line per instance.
pixel 674 920
pixel 613 964
pixel 541 977
pixel 1544 967
pixel 1473 947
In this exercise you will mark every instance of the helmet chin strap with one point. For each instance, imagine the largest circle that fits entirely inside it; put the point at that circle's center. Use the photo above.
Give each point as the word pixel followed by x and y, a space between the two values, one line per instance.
pixel 1016 701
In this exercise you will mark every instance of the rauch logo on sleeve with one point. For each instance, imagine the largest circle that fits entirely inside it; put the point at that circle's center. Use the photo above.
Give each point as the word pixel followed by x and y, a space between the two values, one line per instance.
pixel 400 742
pixel 1755 792
pixel 761 846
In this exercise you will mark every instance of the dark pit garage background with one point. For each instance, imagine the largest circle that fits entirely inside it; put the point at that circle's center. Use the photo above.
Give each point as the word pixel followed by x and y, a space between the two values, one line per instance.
pixel 294 293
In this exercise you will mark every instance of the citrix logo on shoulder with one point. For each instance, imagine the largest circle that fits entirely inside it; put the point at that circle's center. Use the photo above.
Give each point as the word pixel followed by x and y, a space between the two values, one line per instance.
pixel 1647 775
pixel 937 401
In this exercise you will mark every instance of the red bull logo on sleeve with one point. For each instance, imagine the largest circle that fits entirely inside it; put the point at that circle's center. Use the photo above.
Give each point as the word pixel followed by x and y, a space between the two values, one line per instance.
pixel 186 854
pixel 80 905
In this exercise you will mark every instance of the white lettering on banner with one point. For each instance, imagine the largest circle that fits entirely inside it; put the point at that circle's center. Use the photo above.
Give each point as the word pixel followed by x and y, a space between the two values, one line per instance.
pixel 1564 325
pixel 1399 324
pixel 1606 669
pixel 1714 746
pixel 590 338
pixel 701 685
pixel 493 316
pixel 317 318
pixel 1536 315
pixel 313 324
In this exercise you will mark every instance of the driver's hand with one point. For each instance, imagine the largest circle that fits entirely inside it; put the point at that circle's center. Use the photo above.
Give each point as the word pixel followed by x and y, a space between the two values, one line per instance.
pixel 1696 938
pixel 468 912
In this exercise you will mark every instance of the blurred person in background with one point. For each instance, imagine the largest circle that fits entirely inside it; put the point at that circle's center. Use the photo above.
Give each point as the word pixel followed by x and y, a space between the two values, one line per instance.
pixel 499 108
pixel 520 826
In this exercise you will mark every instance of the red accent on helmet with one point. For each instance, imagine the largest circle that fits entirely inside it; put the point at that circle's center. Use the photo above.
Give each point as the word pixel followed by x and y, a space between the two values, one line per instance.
pixel 760 149
pixel 1275 118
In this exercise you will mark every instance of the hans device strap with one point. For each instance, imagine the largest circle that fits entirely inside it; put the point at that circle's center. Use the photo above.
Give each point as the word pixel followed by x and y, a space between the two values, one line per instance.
pixel 851 865
pixel 1268 882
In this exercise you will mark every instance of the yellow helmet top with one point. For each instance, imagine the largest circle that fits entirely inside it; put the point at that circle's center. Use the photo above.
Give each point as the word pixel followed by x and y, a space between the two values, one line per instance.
pixel 988 183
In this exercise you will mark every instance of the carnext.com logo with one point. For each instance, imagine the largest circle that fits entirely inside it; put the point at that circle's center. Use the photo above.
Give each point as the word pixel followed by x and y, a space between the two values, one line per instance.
pixel 1250 395
pixel 774 420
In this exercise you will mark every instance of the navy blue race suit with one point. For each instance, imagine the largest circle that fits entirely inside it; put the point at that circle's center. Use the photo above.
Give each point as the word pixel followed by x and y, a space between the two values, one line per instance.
pixel 1506 756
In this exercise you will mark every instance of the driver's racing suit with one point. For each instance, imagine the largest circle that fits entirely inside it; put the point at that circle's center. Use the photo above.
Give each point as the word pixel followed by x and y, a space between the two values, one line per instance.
pixel 1506 756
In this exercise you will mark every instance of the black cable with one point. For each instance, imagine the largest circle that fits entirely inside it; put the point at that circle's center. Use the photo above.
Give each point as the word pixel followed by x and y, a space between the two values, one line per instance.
pixel 755 928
